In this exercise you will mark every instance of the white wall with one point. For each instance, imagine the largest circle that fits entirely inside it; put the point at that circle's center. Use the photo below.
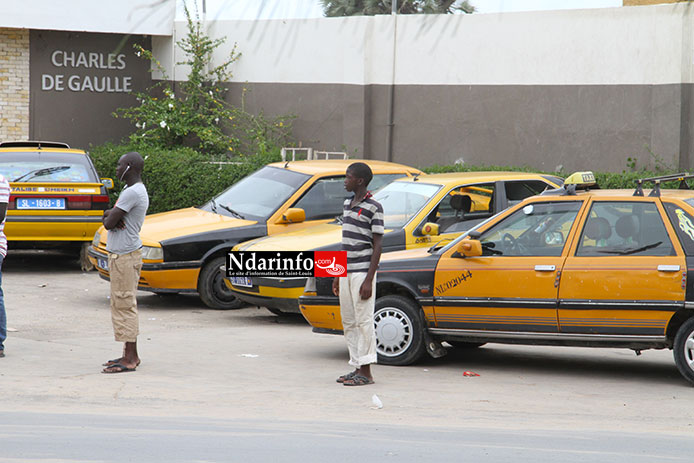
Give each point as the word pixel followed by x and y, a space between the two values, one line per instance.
pixel 148 17
pixel 627 45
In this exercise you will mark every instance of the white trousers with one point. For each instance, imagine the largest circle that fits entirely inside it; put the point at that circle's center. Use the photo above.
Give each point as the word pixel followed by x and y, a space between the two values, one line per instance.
pixel 358 319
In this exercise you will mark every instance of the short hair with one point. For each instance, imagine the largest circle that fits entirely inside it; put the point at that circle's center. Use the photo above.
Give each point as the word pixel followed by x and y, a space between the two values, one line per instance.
pixel 361 170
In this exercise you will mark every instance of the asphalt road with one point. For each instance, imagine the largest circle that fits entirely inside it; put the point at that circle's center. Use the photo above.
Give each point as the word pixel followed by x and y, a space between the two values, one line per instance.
pixel 246 385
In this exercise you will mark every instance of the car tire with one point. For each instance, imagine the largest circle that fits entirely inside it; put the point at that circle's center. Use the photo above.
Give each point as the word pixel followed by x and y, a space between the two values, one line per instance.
pixel 213 292
pixel 399 331
pixel 466 344
pixel 683 350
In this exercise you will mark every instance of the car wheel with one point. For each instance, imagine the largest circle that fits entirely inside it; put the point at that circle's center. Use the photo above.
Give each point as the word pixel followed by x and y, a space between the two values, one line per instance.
pixel 399 336
pixel 466 344
pixel 213 292
pixel 683 350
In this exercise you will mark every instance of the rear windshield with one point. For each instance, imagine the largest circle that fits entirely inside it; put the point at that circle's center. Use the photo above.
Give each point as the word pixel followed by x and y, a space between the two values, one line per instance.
pixel 28 166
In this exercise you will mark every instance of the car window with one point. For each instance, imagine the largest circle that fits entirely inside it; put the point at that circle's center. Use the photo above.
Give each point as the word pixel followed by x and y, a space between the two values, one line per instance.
pixel 621 228
pixel 683 223
pixel 403 200
pixel 258 195
pixel 46 167
pixel 516 191
pixel 462 208
pixel 538 229
pixel 325 198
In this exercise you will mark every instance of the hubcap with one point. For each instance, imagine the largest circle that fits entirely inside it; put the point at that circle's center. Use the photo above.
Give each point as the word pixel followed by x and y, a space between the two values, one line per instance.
pixel 689 350
pixel 220 289
pixel 393 331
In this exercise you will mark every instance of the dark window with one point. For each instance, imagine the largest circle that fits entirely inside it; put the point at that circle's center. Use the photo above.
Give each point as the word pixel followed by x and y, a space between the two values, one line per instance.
pixel 519 190
pixel 538 229
pixel 624 229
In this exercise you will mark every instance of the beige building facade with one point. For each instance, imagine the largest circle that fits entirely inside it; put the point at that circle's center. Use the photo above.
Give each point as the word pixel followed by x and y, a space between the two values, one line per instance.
pixel 14 84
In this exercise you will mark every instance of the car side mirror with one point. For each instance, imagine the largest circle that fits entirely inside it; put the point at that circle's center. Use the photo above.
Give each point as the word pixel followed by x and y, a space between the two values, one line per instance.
pixel 293 215
pixel 107 182
pixel 469 248
pixel 430 229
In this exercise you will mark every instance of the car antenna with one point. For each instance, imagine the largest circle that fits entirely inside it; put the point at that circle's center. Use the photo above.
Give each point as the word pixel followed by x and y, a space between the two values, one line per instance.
pixel 286 164
pixel 416 177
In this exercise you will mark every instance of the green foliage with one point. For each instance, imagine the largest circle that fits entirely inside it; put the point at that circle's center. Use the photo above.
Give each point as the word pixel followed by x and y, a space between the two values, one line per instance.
pixel 198 116
pixel 178 177
pixel 606 180
pixel 373 7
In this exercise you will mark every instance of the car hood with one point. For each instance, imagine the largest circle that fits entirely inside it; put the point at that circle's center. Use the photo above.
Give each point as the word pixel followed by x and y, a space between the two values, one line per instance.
pixel 405 255
pixel 306 239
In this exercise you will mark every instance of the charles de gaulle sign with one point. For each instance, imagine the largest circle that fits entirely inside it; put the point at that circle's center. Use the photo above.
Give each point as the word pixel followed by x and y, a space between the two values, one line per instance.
pixel 67 61
pixel 79 79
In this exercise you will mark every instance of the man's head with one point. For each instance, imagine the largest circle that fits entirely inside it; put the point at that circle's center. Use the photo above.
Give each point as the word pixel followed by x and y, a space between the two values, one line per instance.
pixel 358 176
pixel 130 166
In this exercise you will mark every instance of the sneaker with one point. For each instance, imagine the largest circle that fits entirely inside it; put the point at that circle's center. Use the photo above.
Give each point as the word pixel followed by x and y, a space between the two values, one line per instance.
pixel 2 353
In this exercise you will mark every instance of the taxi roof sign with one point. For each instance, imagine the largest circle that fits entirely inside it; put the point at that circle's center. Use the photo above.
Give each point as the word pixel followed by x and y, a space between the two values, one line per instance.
pixel 581 179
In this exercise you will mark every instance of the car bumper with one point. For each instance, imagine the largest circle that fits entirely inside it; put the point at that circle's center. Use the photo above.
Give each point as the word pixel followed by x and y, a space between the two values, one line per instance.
pixel 322 313
pixel 159 277
pixel 38 228
pixel 274 293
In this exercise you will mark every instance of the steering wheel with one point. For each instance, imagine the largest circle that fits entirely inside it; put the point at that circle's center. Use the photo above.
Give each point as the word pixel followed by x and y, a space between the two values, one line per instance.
pixel 511 244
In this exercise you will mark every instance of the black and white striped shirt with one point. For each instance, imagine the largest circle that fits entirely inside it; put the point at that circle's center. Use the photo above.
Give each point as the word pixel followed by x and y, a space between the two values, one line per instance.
pixel 359 224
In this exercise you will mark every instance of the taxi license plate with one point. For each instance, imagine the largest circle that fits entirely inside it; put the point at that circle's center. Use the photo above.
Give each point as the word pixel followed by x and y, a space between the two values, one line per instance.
pixel 40 203
pixel 102 263
pixel 241 281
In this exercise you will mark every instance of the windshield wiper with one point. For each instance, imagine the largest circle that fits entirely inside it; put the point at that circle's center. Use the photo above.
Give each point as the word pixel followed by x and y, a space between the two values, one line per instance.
pixel 438 245
pixel 626 252
pixel 233 212
pixel 214 205
pixel 41 172
pixel 339 219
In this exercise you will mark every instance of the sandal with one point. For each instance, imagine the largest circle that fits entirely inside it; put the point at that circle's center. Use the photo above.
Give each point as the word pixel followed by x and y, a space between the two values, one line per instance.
pixel 358 380
pixel 344 378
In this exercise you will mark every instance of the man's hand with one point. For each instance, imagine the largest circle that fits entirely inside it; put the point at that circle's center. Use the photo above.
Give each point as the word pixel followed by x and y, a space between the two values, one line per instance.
pixel 365 290
pixel 336 286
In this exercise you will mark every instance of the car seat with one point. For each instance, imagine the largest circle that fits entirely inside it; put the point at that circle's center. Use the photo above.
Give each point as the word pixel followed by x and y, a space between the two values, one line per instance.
pixel 598 229
pixel 627 227
pixel 461 204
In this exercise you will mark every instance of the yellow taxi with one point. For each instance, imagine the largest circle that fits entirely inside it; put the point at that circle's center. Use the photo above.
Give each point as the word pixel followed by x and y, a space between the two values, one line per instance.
pixel 56 198
pixel 594 268
pixel 184 251
pixel 418 212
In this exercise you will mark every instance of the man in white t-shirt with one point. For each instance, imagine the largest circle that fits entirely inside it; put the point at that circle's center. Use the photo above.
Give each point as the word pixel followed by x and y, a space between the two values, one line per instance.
pixel 124 247
pixel 4 201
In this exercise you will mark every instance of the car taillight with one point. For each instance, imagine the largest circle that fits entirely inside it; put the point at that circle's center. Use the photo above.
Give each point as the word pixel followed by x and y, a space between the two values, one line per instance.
pixel 99 202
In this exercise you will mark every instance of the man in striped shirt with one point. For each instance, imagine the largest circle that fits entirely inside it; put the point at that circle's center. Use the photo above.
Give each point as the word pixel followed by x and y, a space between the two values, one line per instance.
pixel 4 201
pixel 362 231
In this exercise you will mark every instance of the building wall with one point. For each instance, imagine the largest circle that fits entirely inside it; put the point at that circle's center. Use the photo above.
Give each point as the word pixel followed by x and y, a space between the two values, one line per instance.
pixel 14 84
pixel 573 88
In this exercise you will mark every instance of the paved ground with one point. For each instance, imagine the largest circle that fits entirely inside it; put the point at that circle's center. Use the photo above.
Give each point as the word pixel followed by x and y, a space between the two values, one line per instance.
pixel 249 366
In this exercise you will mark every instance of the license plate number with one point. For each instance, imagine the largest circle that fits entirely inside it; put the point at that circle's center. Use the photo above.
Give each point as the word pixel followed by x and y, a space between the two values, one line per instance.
pixel 40 203
pixel 102 263
pixel 241 281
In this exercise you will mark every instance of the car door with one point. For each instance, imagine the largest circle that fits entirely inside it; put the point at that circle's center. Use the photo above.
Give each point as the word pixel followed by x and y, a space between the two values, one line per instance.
pixel 513 285
pixel 626 273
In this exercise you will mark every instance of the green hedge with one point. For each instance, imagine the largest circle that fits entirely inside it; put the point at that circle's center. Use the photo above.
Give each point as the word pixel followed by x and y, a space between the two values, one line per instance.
pixel 605 179
pixel 178 177
pixel 182 177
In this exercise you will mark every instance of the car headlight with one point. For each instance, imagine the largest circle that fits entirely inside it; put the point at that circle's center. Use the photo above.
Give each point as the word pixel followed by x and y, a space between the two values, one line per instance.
pixel 96 239
pixel 152 253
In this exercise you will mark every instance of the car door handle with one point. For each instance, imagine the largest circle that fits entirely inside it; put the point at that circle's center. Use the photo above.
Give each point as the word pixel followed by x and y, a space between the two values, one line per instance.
pixel 545 268
pixel 668 268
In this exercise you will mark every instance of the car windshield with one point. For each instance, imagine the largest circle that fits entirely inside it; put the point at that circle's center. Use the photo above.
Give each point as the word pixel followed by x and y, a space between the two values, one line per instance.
pixel 403 200
pixel 46 166
pixel 257 196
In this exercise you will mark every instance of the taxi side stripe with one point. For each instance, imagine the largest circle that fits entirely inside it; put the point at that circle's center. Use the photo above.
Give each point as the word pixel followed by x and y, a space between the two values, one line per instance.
pixel 494 302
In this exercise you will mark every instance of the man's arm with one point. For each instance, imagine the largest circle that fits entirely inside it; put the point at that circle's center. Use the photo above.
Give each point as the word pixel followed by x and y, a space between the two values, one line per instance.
pixel 365 290
pixel 113 218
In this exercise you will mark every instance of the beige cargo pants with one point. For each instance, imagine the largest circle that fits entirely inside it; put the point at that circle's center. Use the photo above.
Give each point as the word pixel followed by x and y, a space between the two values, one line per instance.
pixel 124 271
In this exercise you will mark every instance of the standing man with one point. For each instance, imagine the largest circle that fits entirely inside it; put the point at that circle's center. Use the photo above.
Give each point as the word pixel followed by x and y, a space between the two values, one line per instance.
pixel 123 223
pixel 4 200
pixel 362 231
